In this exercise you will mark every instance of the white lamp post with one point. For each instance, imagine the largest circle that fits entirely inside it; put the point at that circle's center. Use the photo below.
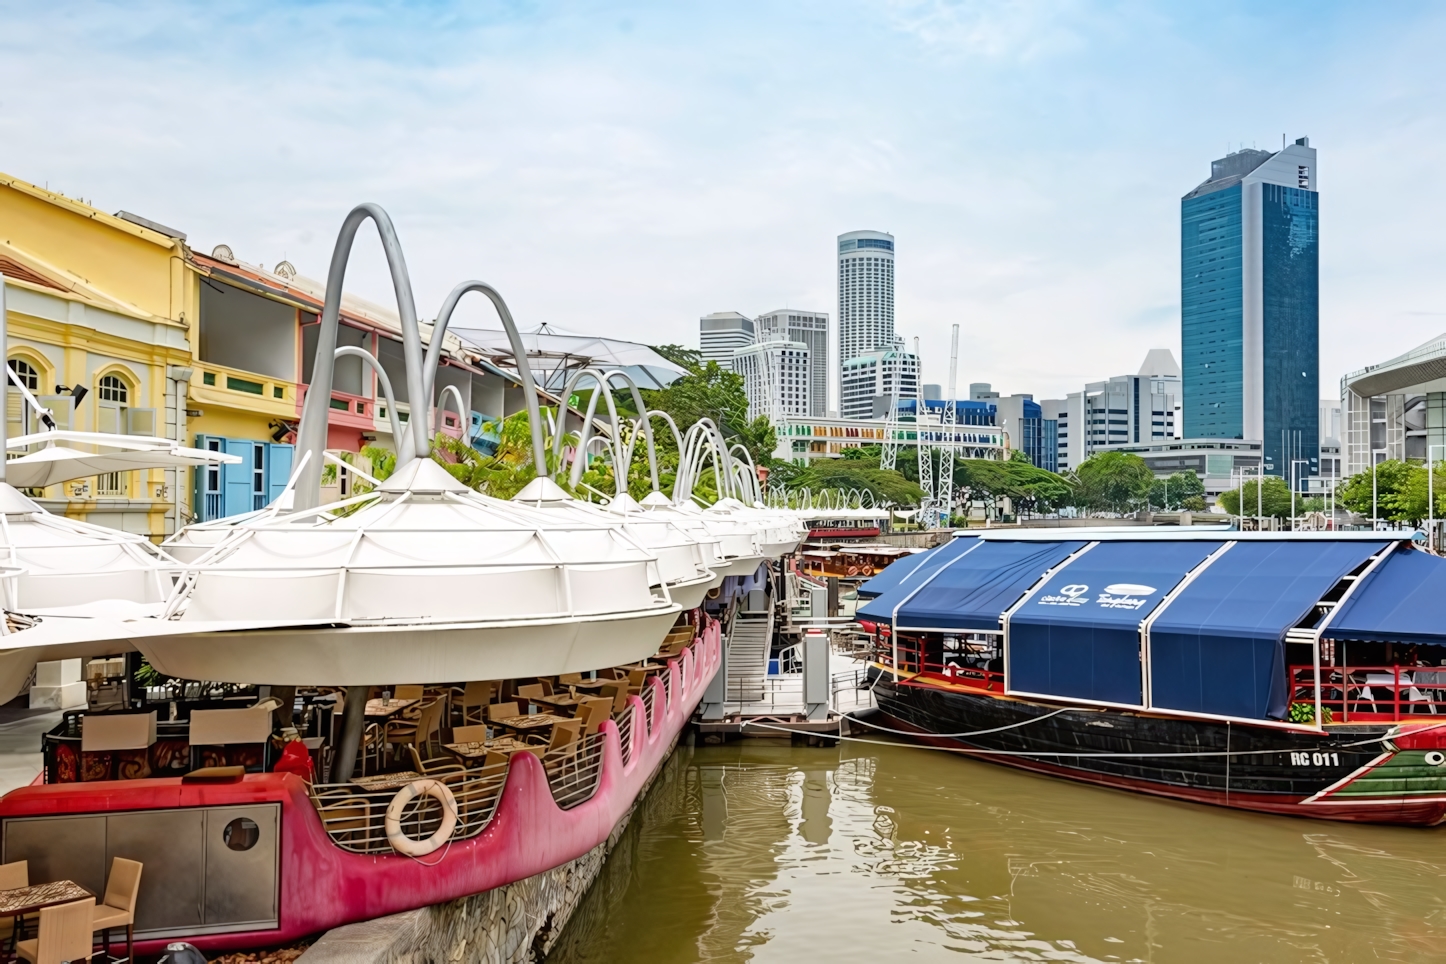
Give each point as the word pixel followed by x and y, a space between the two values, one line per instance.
pixel 1294 481
pixel 1431 497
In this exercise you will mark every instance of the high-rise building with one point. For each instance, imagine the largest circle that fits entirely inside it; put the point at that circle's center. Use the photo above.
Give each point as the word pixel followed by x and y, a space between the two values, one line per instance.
pixel 1249 304
pixel 722 332
pixel 869 382
pixel 1024 424
pixel 776 377
pixel 865 300
pixel 1125 410
pixel 809 328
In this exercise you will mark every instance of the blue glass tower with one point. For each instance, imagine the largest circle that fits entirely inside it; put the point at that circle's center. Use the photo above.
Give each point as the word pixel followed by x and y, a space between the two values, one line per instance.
pixel 1250 305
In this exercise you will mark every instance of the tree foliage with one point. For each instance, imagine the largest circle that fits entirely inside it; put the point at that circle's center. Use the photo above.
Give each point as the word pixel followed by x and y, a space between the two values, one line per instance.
pixel 1112 482
pixel 886 485
pixel 1271 498
pixel 1401 491
pixel 1183 491
pixel 1029 489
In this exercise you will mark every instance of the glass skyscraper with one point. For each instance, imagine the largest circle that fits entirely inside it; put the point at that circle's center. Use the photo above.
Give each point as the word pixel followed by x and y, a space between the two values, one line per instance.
pixel 1250 305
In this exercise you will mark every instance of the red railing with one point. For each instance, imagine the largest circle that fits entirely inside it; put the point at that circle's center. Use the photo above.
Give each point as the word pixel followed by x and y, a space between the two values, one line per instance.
pixel 1373 693
pixel 912 659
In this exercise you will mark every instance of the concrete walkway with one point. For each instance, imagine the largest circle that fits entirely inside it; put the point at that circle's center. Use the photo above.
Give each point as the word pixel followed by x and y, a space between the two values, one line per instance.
pixel 20 732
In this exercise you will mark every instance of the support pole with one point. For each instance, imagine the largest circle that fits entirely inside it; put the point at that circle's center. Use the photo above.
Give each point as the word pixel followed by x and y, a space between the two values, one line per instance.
pixel 4 378
pixel 353 724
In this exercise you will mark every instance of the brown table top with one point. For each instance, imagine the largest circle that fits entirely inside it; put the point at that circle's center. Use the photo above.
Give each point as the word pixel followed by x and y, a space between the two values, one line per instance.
pixel 645 667
pixel 387 781
pixel 475 751
pixel 535 721
pixel 560 700
pixel 385 708
pixel 591 684
pixel 26 900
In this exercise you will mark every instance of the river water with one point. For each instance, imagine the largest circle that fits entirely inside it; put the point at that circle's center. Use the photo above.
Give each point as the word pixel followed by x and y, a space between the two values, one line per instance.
pixel 764 852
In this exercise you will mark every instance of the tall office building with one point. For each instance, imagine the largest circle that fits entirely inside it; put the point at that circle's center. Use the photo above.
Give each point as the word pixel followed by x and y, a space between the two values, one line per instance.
pixel 776 378
pixel 1249 304
pixel 870 382
pixel 865 300
pixel 809 328
pixel 720 333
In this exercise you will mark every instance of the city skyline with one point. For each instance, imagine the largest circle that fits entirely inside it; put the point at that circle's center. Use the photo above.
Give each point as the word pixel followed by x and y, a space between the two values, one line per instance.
pixel 554 152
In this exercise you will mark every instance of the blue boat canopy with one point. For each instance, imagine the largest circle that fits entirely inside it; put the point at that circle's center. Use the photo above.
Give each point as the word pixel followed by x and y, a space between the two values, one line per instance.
pixel 1078 636
pixel 971 591
pixel 916 567
pixel 1402 600
pixel 1219 647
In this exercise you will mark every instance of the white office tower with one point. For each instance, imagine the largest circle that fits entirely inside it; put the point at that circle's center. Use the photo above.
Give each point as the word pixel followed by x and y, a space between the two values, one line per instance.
pixel 808 328
pixel 869 383
pixel 720 333
pixel 865 297
pixel 775 378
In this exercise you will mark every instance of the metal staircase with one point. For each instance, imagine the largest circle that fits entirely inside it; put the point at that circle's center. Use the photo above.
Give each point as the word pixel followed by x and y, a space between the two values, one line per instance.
pixel 749 640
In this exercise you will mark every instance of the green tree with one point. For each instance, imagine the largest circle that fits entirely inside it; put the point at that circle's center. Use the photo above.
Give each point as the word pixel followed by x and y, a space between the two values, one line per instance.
pixel 711 391
pixel 1112 482
pixel 689 358
pixel 1030 490
pixel 886 485
pixel 1272 498
pixel 1394 500
pixel 1181 491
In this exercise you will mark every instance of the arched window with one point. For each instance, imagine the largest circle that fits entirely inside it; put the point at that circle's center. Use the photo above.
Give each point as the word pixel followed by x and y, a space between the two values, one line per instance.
pixel 112 389
pixel 26 372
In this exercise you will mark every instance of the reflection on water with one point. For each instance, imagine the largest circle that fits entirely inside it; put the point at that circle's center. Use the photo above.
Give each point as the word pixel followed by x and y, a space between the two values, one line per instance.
pixel 757 852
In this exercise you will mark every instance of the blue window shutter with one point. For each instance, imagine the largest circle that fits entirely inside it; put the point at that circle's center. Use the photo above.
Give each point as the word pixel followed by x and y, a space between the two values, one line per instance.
pixel 279 458
pixel 236 477
pixel 204 509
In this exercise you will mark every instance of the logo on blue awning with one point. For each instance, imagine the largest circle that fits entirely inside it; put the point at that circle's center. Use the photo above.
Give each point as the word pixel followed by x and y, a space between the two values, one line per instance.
pixel 1071 595
pixel 1124 595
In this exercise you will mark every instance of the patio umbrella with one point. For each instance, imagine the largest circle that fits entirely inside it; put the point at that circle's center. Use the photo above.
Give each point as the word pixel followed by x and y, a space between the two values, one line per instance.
pixel 59 463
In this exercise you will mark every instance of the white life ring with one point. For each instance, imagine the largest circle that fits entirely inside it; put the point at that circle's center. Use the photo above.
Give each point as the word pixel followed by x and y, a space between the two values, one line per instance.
pixel 405 845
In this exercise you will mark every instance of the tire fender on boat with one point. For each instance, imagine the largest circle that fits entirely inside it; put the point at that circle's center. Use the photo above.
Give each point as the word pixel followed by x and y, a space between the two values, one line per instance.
pixel 405 845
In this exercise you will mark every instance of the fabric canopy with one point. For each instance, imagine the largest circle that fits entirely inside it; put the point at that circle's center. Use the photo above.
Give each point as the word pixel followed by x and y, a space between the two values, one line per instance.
pixel 1078 636
pixel 59 463
pixel 1404 601
pixel 973 590
pixel 1220 646
pixel 569 350
pixel 913 569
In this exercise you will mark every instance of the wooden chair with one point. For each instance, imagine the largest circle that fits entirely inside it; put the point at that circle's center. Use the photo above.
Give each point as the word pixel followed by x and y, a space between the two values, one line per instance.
pixel 65 935
pixel 563 744
pixel 419 733
pixel 501 711
pixel 344 812
pixel 618 693
pixel 436 767
pixel 474 700
pixel 119 907
pixel 568 679
pixel 469 734
pixel 592 711
pixel 12 876
pixel 636 680
pixel 407 691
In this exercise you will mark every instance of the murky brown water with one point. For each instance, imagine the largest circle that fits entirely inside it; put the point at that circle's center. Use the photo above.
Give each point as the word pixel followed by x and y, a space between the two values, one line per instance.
pixel 755 852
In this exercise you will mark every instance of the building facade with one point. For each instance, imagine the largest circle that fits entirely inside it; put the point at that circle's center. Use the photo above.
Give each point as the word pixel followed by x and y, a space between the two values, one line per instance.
pixel 810 329
pixel 973 435
pixel 776 377
pixel 1395 409
pixel 722 333
pixel 1139 409
pixel 1249 304
pixel 1023 423
pixel 865 304
pixel 870 381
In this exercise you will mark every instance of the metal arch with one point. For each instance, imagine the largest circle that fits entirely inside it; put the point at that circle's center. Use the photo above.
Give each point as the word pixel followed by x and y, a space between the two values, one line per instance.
pixel 585 433
pixel 352 351
pixel 452 392
pixel 643 418
pixel 751 485
pixel 519 355
pixel 311 436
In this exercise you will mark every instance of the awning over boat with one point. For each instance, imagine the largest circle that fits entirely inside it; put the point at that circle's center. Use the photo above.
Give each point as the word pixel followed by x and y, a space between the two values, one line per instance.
pixel 974 589
pixel 1219 647
pixel 914 569
pixel 1078 636
pixel 1403 600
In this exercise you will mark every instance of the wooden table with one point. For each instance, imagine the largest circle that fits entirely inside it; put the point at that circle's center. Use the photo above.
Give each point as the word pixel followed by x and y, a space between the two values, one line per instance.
pixel 595 685
pixel 645 667
pixel 524 724
pixel 558 701
pixel 28 900
pixel 478 751
pixel 386 709
pixel 386 781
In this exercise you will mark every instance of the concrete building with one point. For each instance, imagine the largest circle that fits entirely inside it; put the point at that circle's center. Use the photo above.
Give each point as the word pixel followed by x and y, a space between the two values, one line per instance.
pixel 865 303
pixel 1249 304
pixel 973 435
pixel 1023 422
pixel 1330 439
pixel 810 329
pixel 1395 409
pixel 932 393
pixel 1125 410
pixel 1220 463
pixel 1054 412
pixel 776 377
pixel 872 380
pixel 723 332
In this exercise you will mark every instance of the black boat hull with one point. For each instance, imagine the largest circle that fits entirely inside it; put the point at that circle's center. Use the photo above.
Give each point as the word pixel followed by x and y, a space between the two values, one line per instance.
pixel 1374 773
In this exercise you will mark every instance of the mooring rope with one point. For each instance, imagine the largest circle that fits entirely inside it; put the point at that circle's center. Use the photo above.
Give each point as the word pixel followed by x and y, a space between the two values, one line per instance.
pixel 997 729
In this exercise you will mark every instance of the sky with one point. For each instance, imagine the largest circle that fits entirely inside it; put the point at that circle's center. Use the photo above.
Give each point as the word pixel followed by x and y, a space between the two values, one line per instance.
pixel 622 169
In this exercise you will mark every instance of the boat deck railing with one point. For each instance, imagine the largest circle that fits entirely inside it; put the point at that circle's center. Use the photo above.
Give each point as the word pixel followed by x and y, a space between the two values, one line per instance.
pixel 1373 693
pixel 355 816
pixel 952 668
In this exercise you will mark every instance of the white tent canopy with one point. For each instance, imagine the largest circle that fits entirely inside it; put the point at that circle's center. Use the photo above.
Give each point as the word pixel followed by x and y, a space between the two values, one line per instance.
pixel 560 351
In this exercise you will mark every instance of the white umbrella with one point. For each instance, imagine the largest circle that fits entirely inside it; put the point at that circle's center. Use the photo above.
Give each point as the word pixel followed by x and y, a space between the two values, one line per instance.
pixel 59 463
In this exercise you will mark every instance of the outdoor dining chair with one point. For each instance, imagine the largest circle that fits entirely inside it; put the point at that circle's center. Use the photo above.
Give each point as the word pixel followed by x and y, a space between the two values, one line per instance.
pixel 13 876
pixel 119 906
pixel 65 935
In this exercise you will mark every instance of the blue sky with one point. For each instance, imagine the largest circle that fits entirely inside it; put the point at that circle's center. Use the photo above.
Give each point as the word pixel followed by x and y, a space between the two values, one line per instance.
pixel 625 168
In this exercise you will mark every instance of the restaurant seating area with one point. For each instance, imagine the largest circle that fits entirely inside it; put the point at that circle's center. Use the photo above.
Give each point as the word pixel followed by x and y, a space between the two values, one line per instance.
pixel 64 917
